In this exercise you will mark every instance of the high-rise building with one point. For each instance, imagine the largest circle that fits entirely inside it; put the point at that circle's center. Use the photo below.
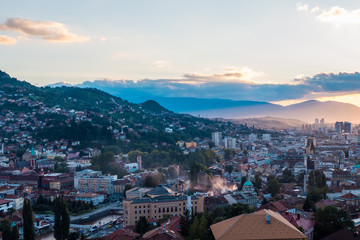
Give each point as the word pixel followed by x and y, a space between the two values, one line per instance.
pixel 230 142
pixel 347 127
pixel 266 137
pixel 216 137
pixel 339 128
pixel 252 137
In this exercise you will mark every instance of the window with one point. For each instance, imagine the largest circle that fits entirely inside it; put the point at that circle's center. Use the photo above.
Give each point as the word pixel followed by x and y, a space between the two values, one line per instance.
pixel 172 209
pixel 175 209
pixel 167 210
pixel 148 211
pixel 135 212
pixel 159 210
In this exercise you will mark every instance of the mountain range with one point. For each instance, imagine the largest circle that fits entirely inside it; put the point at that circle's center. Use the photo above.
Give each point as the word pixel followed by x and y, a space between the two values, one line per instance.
pixel 306 111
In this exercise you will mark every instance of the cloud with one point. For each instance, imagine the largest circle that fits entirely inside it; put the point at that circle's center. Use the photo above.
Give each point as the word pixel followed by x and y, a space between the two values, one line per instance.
pixel 339 15
pixel 231 74
pixel 49 31
pixel 335 14
pixel 7 40
pixel 302 7
pixel 212 86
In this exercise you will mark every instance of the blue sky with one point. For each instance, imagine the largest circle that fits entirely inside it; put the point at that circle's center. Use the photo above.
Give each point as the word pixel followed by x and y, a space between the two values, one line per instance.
pixel 226 43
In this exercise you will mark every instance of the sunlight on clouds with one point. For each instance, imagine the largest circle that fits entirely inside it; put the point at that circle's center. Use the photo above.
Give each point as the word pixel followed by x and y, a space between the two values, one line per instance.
pixel 335 14
pixel 7 40
pixel 161 64
pixel 231 74
pixel 49 31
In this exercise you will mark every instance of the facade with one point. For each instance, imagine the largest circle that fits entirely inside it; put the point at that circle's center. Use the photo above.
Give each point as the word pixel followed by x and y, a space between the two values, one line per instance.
pixel 266 137
pixel 17 202
pixel 96 198
pixel 94 181
pixel 230 142
pixel 5 205
pixel 119 186
pixel 158 202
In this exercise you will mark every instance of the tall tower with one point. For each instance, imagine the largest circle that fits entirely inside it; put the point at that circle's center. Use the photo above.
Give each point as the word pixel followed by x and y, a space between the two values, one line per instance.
pixel 139 162
pixel 189 206
pixel 306 173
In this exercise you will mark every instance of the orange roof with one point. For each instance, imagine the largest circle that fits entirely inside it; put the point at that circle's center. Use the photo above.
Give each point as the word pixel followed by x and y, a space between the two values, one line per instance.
pixel 255 226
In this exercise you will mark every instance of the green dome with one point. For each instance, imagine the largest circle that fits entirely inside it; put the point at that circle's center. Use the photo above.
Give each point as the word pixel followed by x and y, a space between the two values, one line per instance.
pixel 248 183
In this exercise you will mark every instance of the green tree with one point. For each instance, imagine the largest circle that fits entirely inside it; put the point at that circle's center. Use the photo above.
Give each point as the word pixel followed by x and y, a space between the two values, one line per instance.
pixel 229 168
pixel 287 176
pixel 142 225
pixel 6 230
pixel 331 219
pixel 258 182
pixel 309 206
pixel 28 224
pixel 199 228
pixel 62 220
pixel 229 154
pixel 15 233
pixel 211 144
pixel 185 223
pixel 273 187
pixel 317 179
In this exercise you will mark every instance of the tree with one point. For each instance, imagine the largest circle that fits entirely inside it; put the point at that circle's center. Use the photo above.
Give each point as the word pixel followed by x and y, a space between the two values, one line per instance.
pixel 185 224
pixel 6 230
pixel 198 229
pixel 172 172
pixel 62 220
pixel 273 187
pixel 229 154
pixel 258 182
pixel 309 206
pixel 229 168
pixel 243 180
pixel 331 219
pixel 211 144
pixel 14 233
pixel 287 176
pixel 142 225
pixel 317 179
pixel 28 224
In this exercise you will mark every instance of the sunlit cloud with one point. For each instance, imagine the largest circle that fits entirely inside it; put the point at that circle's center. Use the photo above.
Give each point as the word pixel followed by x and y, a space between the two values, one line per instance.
pixel 335 14
pixel 7 40
pixel 49 31
pixel 302 7
pixel 231 74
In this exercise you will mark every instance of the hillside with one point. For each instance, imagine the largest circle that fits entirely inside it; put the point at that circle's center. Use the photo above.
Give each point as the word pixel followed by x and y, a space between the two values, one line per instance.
pixel 271 123
pixel 93 117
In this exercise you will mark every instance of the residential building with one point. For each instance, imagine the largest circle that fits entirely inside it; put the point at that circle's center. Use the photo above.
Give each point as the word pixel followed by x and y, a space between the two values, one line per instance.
pixel 5 205
pixel 94 181
pixel 216 137
pixel 96 198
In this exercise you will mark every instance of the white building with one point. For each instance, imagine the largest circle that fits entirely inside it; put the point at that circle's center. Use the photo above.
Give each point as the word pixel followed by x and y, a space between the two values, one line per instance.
pixel 253 137
pixel 216 137
pixel 230 142
pixel 266 137
pixel 5 205
pixel 17 202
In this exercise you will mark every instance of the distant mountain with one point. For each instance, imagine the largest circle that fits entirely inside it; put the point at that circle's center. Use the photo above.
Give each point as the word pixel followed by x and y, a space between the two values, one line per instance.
pixel 231 109
pixel 306 111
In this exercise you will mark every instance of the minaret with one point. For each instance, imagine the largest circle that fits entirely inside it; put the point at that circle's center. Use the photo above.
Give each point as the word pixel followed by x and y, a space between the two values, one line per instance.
pixel 189 206
pixel 139 162
pixel 305 175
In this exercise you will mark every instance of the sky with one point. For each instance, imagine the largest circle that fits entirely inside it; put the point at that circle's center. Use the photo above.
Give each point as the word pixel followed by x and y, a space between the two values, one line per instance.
pixel 278 51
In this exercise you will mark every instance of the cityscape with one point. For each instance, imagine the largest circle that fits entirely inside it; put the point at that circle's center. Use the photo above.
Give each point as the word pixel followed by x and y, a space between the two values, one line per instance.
pixel 179 120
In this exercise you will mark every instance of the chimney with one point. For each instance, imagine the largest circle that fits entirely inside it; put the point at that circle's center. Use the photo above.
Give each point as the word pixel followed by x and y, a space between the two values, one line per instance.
pixel 267 218
pixel 298 216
